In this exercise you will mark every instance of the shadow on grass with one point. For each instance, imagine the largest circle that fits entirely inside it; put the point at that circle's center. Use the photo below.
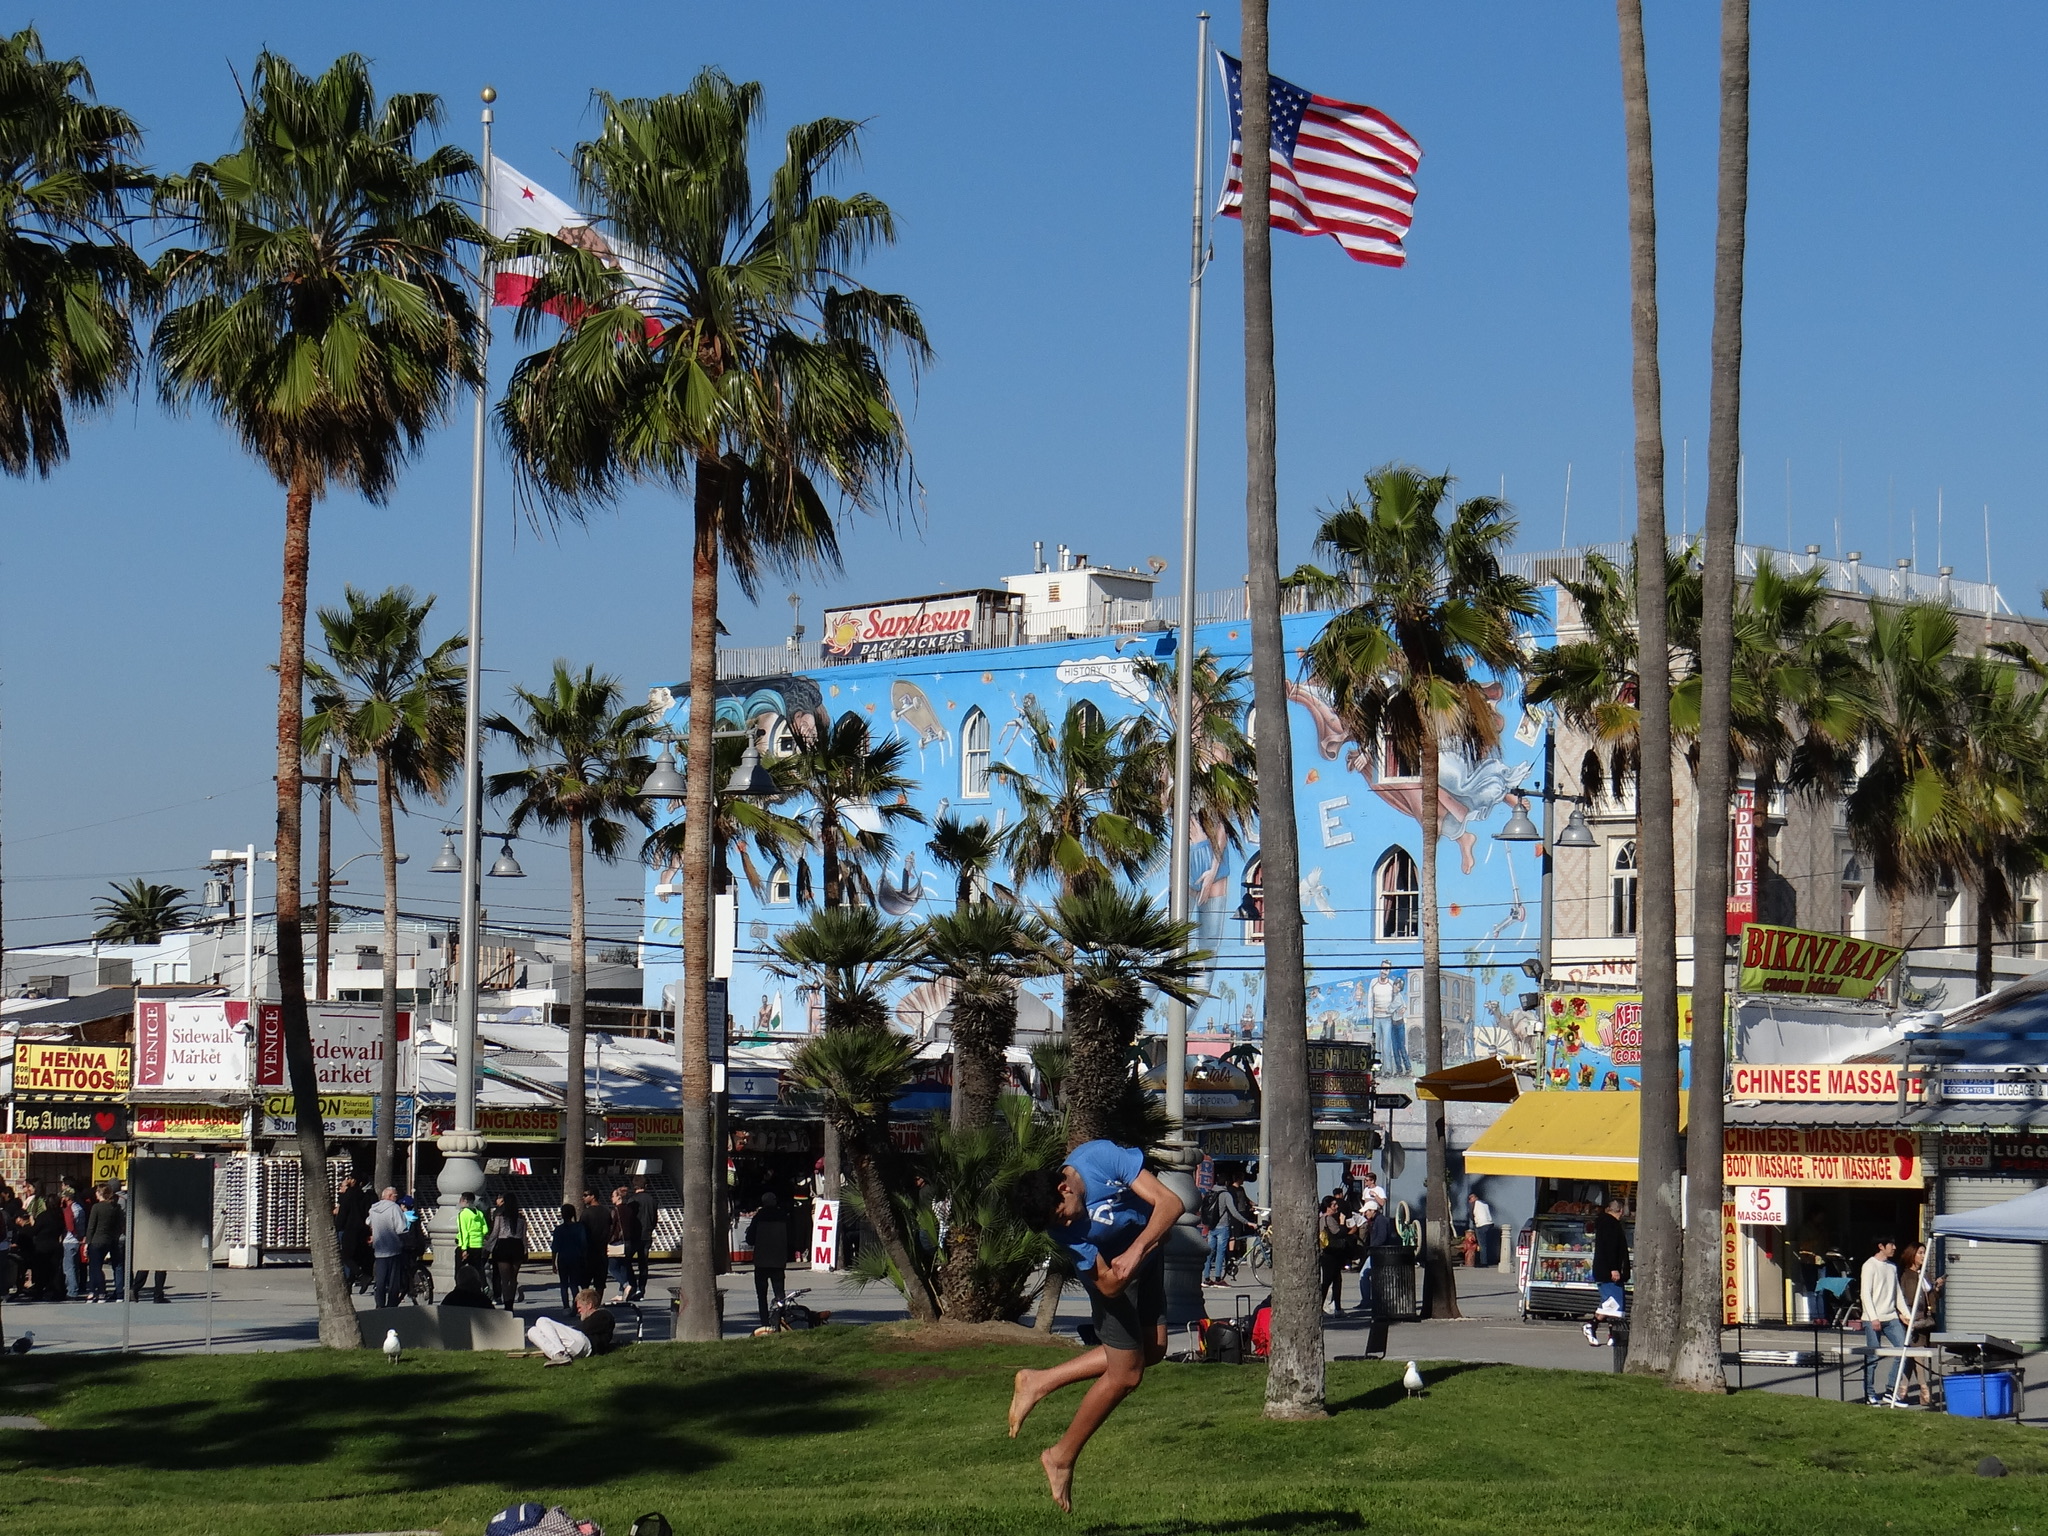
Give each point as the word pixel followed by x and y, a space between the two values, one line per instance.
pixel 1391 1392
pixel 1301 1522
pixel 417 1431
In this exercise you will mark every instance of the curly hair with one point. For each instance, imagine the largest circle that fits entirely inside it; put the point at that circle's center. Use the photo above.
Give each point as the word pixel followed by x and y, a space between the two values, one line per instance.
pixel 1036 1196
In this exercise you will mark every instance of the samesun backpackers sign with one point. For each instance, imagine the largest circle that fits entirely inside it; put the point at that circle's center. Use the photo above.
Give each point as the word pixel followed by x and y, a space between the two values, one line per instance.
pixel 887 631
pixel 1799 962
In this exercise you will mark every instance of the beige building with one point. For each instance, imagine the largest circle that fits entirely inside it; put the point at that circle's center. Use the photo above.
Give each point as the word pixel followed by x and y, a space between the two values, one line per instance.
pixel 1810 874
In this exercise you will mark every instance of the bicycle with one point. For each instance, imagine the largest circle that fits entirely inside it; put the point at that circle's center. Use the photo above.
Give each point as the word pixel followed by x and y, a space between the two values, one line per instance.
pixel 421 1283
pixel 790 1315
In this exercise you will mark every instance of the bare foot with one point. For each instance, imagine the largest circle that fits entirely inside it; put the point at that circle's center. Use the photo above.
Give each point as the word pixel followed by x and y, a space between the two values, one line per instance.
pixel 1022 1400
pixel 1060 1479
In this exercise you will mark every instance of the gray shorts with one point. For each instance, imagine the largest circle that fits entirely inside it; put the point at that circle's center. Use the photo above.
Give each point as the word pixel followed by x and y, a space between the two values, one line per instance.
pixel 1130 1319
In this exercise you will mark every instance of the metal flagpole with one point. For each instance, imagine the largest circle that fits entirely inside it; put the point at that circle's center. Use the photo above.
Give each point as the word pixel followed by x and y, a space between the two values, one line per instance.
pixel 1184 1294
pixel 461 1171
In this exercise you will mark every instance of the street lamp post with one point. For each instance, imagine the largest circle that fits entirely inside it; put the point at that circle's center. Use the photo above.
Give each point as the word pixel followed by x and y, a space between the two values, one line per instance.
pixel 1576 834
pixel 248 858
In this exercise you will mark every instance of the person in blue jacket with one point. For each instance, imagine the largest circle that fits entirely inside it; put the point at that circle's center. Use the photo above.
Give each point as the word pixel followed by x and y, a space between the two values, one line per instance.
pixel 1110 1214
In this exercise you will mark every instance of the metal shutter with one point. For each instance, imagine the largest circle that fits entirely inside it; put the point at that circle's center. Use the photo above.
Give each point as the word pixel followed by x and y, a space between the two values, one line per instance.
pixel 1999 1288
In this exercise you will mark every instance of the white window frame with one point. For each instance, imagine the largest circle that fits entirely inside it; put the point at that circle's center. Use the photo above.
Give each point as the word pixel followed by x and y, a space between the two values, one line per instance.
pixel 1406 932
pixel 974 757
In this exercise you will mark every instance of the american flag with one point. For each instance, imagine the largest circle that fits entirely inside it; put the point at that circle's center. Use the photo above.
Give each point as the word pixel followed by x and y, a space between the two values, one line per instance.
pixel 1339 169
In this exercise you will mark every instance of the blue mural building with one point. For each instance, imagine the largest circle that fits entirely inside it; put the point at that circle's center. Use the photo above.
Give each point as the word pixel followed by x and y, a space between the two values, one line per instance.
pixel 958 712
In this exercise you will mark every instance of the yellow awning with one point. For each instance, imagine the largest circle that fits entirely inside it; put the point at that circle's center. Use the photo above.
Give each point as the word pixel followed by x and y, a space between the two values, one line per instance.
pixel 1563 1135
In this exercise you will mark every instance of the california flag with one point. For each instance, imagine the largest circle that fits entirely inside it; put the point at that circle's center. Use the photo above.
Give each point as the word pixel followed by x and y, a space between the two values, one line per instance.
pixel 518 204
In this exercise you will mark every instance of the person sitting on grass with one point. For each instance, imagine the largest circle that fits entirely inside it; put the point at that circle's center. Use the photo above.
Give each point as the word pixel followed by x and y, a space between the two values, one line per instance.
pixel 469 1289
pixel 590 1334
pixel 1110 1214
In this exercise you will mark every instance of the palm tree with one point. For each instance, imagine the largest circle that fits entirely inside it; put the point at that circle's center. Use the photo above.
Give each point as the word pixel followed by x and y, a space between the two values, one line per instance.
pixel 1089 808
pixel 856 786
pixel 968 848
pixel 1223 790
pixel 1911 811
pixel 983 952
pixel 753 372
pixel 1698 1363
pixel 858 1064
pixel 320 311
pixel 2002 773
pixel 68 280
pixel 141 913
pixel 990 1254
pixel 389 698
pixel 1117 947
pixel 1434 608
pixel 585 752
pixel 1659 1220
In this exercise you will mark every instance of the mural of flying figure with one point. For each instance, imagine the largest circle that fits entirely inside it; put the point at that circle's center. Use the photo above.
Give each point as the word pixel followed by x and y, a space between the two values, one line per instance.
pixel 911 705
pixel 1468 790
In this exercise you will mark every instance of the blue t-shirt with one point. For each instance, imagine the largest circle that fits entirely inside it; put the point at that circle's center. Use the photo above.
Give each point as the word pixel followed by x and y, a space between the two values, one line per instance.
pixel 1115 1215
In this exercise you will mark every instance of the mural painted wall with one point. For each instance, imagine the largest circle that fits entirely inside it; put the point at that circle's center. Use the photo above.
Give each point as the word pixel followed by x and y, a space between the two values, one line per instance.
pixel 1360 844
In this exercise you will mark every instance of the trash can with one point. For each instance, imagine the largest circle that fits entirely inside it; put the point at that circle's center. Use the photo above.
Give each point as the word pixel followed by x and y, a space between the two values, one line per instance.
pixel 1390 1283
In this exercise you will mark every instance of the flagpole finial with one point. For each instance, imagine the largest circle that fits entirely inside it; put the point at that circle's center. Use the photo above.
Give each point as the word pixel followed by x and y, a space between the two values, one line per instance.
pixel 490 94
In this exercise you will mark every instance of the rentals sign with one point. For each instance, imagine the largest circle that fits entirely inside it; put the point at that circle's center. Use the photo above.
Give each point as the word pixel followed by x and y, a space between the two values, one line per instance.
pixel 1812 964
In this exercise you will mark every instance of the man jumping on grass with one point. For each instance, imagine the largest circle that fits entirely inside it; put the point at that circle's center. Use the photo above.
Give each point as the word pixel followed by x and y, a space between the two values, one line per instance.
pixel 1110 1214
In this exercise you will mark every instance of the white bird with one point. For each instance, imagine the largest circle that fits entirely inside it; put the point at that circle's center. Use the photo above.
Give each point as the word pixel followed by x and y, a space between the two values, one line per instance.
pixel 1412 1380
pixel 393 1349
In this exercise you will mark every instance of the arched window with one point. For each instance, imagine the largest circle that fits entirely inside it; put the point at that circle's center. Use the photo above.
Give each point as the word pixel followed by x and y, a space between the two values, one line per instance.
pixel 1253 910
pixel 1087 715
pixel 1854 920
pixel 1398 883
pixel 780 888
pixel 1624 872
pixel 974 756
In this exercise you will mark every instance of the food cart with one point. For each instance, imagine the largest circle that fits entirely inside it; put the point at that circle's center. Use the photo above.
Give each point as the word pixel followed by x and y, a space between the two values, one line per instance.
pixel 1554 1263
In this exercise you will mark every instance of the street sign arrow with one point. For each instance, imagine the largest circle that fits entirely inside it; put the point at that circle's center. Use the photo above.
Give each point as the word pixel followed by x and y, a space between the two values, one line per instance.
pixel 1391 1101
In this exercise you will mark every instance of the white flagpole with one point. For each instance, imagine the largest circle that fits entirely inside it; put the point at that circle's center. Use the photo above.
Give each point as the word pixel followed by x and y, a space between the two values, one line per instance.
pixel 1184 648
pixel 461 1150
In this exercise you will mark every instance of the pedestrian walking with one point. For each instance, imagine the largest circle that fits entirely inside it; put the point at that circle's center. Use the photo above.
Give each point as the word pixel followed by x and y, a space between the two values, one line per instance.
pixel 597 1229
pixel 106 1235
pixel 1333 1238
pixel 507 1238
pixel 569 1247
pixel 47 1234
pixel 73 1212
pixel 1235 1221
pixel 472 1234
pixel 621 1240
pixel 388 1229
pixel 412 1248
pixel 351 1212
pixel 768 1236
pixel 648 1210
pixel 1479 1215
pixel 1610 1271
pixel 1884 1314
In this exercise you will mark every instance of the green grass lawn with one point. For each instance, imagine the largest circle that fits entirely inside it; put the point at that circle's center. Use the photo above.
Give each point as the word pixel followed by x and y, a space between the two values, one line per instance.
pixel 853 1430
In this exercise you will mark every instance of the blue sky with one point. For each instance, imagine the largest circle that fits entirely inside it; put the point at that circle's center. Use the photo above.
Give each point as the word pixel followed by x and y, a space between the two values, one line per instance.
pixel 1038 162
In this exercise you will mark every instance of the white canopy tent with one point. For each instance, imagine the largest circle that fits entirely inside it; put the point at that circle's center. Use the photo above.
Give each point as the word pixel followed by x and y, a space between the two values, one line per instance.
pixel 2021 1220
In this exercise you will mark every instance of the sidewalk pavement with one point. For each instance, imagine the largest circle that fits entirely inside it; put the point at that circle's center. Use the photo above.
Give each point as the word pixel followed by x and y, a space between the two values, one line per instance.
pixel 265 1309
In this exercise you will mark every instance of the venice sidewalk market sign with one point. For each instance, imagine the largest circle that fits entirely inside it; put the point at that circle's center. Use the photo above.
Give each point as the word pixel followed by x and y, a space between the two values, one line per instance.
pixel 1799 962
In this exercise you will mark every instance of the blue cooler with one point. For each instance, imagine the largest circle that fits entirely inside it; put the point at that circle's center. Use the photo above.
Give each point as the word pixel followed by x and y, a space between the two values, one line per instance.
pixel 1988 1396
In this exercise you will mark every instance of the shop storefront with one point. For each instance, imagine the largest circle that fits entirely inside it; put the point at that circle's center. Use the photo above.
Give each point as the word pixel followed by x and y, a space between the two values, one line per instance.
pixel 69 1103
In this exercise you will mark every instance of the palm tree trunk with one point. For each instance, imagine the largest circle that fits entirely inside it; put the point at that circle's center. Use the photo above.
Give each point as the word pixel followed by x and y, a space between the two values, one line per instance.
pixel 330 1289
pixel 828 849
pixel 387 1007
pixel 881 1216
pixel 699 1276
pixel 1698 1366
pixel 1440 1297
pixel 1294 1381
pixel 1985 979
pixel 978 1060
pixel 1653 1333
pixel 575 1116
